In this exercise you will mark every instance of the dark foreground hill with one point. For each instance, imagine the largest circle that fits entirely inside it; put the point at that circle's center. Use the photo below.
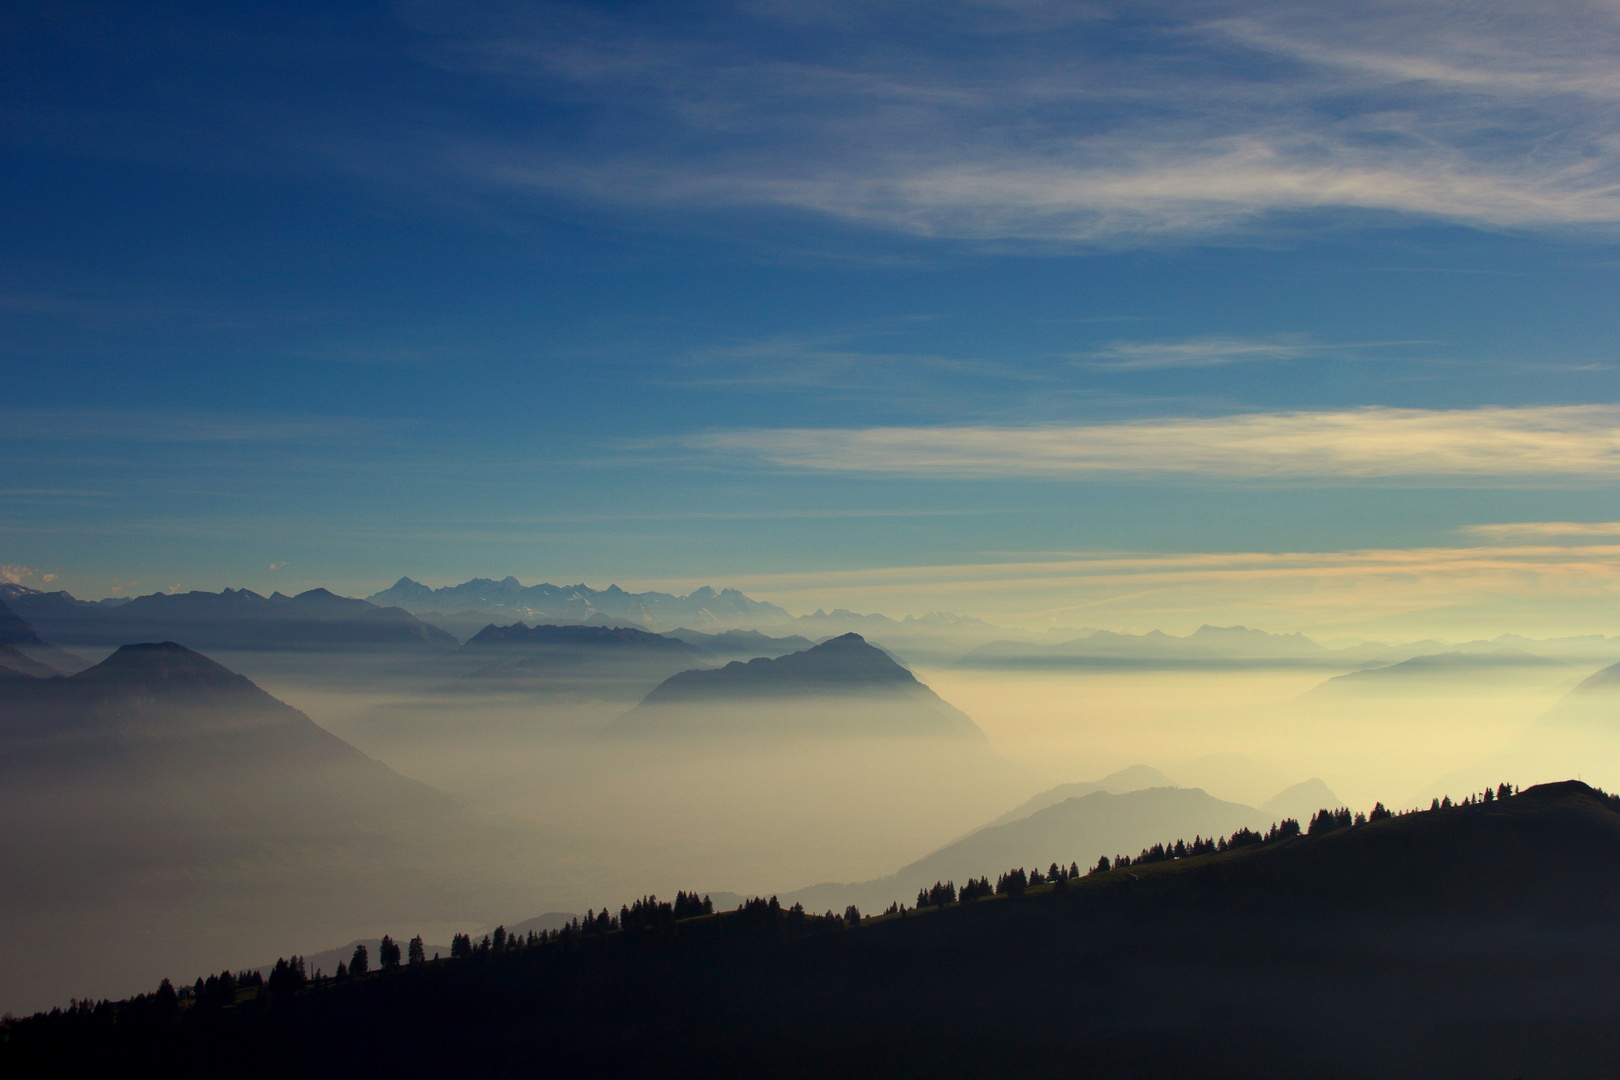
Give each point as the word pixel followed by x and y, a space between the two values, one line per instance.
pixel 843 687
pixel 1475 941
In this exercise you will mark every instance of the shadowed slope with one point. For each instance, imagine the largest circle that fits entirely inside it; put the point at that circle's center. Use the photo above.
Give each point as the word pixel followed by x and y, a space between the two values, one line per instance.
pixel 23 652
pixel 163 794
pixel 843 686
pixel 1476 941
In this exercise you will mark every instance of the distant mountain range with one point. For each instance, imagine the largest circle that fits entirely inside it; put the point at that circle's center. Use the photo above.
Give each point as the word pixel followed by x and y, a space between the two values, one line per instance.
pixel 1120 814
pixel 844 686
pixel 1435 668
pixel 744 644
pixel 1134 778
pixel 1239 646
pixel 620 662
pixel 704 609
pixel 230 620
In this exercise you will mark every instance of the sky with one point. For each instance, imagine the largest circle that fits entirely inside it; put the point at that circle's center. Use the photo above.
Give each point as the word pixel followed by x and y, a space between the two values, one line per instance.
pixel 1092 314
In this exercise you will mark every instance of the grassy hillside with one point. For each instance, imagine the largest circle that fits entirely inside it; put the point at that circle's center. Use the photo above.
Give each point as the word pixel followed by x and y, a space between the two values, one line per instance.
pixel 1480 940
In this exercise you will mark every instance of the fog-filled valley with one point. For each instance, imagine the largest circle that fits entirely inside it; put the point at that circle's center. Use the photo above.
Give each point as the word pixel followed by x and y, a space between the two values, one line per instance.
pixel 288 775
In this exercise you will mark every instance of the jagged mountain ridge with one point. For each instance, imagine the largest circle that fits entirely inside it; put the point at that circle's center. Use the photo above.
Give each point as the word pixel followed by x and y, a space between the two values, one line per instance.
pixel 704 607
pixel 229 620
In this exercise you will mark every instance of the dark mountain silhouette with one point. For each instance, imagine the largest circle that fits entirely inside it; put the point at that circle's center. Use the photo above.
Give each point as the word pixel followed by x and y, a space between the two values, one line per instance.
pixel 160 793
pixel 1480 940
pixel 741 644
pixel 577 603
pixel 14 663
pixel 1076 829
pixel 22 651
pixel 168 710
pixel 231 620
pixel 1301 800
pixel 843 686
pixel 13 630
pixel 520 638
pixel 1134 778
pixel 839 666
pixel 617 661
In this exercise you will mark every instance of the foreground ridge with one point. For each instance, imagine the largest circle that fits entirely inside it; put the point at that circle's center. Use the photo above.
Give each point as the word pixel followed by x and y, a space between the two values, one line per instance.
pixel 660 982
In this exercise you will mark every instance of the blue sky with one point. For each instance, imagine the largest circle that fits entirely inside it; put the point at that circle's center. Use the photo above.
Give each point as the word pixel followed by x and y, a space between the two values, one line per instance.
pixel 904 306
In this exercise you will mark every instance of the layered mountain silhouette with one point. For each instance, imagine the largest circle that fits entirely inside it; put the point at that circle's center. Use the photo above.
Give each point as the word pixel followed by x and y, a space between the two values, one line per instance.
pixel 844 686
pixel 1301 800
pixel 704 607
pixel 1438 668
pixel 1479 940
pixel 618 660
pixel 23 652
pixel 230 620
pixel 163 736
pixel 1134 778
pixel 161 794
pixel 1075 830
pixel 741 644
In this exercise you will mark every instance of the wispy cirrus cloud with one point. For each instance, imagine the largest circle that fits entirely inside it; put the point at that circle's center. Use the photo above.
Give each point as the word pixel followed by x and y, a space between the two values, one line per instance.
pixel 1579 442
pixel 1512 531
pixel 1097 123
pixel 1461 591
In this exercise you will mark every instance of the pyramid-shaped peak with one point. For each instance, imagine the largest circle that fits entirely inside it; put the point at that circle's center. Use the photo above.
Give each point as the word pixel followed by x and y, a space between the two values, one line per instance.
pixel 161 664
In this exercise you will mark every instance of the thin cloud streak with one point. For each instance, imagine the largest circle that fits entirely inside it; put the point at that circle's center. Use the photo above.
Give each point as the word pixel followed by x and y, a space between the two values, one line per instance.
pixel 1543 530
pixel 1127 122
pixel 1461 591
pixel 1580 442
pixel 1219 351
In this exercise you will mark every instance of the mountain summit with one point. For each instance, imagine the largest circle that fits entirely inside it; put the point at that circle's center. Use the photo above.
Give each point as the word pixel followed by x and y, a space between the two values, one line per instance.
pixel 843 687
pixel 841 666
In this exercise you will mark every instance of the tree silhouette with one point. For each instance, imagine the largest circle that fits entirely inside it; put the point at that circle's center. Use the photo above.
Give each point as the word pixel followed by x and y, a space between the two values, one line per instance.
pixel 360 962
pixel 388 954
pixel 415 952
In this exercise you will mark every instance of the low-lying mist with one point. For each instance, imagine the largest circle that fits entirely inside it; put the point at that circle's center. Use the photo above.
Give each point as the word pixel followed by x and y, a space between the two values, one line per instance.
pixel 557 787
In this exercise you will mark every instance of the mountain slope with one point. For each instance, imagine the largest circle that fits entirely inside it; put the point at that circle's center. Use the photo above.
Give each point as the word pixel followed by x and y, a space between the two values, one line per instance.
pixel 1134 778
pixel 1414 947
pixel 742 644
pixel 1301 800
pixel 162 794
pixel 843 686
pixel 620 662
pixel 23 651
pixel 1075 830
pixel 231 620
